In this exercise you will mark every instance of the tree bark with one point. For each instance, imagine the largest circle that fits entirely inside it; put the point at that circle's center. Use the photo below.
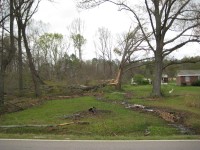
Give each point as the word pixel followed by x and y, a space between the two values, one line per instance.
pixel 20 64
pixel 157 79
pixel 35 77
pixel 157 72
pixel 1 71
pixel 5 60
pixel 118 80
pixel 1 89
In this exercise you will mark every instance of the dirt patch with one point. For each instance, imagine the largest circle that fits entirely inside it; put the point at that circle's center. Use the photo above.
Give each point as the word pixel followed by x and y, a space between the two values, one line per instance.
pixel 20 104
pixel 87 114
pixel 128 95
pixel 173 117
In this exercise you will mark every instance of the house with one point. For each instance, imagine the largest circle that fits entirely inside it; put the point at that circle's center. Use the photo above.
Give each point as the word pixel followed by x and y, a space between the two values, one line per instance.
pixel 187 77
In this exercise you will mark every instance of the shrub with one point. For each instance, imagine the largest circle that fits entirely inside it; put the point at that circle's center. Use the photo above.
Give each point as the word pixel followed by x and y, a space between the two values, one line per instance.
pixel 197 83
pixel 140 80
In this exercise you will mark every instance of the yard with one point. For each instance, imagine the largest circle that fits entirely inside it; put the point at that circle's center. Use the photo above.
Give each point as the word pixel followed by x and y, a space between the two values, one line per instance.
pixel 69 118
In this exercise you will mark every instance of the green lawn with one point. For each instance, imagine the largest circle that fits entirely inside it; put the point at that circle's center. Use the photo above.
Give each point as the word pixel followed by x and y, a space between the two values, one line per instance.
pixel 184 99
pixel 120 123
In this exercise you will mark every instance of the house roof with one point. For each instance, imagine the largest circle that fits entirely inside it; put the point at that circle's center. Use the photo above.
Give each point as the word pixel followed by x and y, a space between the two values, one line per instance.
pixel 188 73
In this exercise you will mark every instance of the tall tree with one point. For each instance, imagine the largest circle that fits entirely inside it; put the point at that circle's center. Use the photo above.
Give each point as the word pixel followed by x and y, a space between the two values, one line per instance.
pixel 8 49
pixel 78 41
pixel 24 10
pixel 104 45
pixel 76 33
pixel 20 61
pixel 172 23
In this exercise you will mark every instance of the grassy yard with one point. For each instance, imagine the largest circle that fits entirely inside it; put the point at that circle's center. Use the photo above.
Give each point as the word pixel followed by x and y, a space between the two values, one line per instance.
pixel 113 122
pixel 184 99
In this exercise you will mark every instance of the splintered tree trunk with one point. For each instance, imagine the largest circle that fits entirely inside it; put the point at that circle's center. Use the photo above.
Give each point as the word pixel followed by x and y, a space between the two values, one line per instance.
pixel 118 79
pixel 36 79
pixel 110 67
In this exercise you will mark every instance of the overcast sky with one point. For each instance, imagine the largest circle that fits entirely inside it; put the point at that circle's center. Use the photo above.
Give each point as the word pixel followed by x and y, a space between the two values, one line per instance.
pixel 60 14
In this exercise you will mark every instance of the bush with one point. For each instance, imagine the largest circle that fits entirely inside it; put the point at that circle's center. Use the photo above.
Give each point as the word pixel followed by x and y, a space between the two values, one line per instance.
pixel 197 83
pixel 140 80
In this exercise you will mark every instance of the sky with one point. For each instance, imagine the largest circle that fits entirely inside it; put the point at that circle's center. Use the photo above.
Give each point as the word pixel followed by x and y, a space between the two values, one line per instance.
pixel 60 14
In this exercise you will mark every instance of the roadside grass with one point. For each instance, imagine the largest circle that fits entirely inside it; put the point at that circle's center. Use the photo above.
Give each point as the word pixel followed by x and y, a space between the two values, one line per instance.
pixel 120 123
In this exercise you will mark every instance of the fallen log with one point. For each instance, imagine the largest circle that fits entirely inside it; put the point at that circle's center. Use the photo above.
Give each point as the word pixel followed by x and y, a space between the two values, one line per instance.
pixel 43 126
pixel 18 107
pixel 87 88
pixel 25 126
pixel 64 124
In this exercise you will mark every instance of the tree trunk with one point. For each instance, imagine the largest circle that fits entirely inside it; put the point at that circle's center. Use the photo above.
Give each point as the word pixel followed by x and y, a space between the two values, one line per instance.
pixel 157 75
pixel 5 60
pixel 36 79
pixel 118 79
pixel 20 64
pixel 1 88
pixel 1 69
pixel 110 66
pixel 104 68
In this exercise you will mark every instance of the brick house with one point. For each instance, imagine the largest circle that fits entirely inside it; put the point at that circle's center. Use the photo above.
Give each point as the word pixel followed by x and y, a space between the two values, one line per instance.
pixel 187 77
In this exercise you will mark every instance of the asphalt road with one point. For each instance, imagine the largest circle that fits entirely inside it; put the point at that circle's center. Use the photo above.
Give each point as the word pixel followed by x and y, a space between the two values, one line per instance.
pixel 97 145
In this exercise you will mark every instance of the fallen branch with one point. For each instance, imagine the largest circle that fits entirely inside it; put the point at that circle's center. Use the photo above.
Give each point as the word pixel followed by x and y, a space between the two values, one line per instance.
pixel 43 126
pixel 88 88
pixel 64 124
pixel 19 108
pixel 25 126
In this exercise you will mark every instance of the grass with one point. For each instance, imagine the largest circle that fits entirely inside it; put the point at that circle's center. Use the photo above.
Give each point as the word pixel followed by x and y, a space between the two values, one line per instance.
pixel 183 99
pixel 121 123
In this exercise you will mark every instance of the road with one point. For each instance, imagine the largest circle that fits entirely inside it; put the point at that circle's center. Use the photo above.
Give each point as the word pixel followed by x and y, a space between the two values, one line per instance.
pixel 97 145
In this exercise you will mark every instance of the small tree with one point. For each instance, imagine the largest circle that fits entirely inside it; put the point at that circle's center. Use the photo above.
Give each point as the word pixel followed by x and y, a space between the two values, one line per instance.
pixel 78 41
pixel 140 79
pixel 76 34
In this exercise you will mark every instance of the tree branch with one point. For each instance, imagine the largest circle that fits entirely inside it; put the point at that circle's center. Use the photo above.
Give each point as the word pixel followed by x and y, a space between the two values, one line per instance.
pixel 168 51
pixel 176 62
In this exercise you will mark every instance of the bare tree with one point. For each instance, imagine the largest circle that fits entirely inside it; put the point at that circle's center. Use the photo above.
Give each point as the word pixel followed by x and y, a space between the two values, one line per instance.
pixel 128 45
pixel 104 45
pixel 7 50
pixel 24 10
pixel 172 23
